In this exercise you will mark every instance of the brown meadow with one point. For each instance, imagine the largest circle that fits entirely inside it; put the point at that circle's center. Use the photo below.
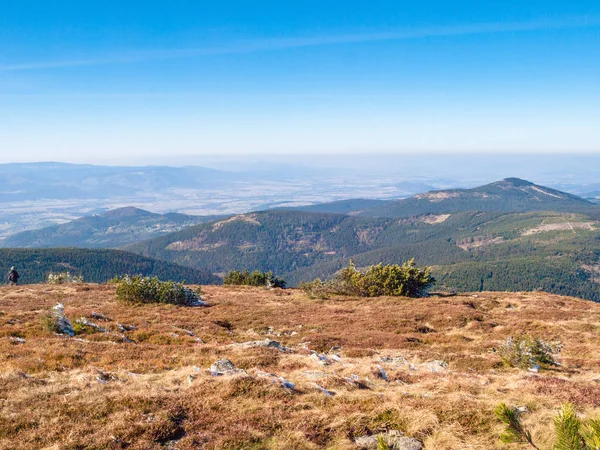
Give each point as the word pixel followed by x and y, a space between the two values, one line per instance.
pixel 153 389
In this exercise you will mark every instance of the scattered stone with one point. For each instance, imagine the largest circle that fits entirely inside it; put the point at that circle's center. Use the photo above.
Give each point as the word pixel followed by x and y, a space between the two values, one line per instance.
pixel 382 373
pixel 436 366
pixel 86 323
pixel 16 340
pixel 394 361
pixel 225 367
pixel 183 330
pixel 324 359
pixel 266 343
pixel 63 325
pixel 324 391
pixel 288 385
pixel 99 316
pixel 105 377
pixel 394 439
pixel 354 380
pixel 123 328
pixel 313 375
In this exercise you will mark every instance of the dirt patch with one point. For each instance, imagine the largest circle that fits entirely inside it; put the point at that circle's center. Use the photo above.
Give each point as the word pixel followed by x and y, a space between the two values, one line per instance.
pixel 438 196
pixel 434 219
pixel 562 226
pixel 248 218
pixel 479 241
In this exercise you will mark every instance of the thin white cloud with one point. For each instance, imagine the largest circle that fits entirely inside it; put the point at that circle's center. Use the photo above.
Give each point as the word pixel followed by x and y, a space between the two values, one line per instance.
pixel 275 44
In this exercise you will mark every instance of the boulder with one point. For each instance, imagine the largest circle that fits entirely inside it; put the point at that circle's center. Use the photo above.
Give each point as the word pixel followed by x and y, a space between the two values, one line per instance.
pixel 224 367
pixel 63 325
pixel 266 343
pixel 436 366
pixel 394 439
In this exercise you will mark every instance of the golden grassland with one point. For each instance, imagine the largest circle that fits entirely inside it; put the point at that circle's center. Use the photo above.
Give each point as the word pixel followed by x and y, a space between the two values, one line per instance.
pixel 98 391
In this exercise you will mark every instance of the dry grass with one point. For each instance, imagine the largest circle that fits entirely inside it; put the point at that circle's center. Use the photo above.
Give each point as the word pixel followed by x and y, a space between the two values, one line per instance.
pixel 96 391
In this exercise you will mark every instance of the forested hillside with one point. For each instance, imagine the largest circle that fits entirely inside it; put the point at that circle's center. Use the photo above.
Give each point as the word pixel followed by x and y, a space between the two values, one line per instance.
pixel 96 266
pixel 553 251
pixel 111 229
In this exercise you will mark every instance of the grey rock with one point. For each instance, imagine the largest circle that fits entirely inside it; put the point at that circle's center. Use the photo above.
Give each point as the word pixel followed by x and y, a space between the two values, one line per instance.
pixel 225 367
pixel 266 343
pixel 63 325
pixel 436 366
pixel 393 438
pixel 394 361
pixel 315 375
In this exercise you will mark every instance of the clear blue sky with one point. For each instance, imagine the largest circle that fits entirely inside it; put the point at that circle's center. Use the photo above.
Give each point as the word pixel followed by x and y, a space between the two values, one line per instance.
pixel 108 81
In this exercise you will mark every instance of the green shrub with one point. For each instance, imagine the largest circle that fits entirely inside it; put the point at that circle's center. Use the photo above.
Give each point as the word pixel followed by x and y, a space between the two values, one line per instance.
pixel 527 352
pixel 572 432
pixel 395 280
pixel 139 289
pixel 50 323
pixel 256 278
pixel 316 288
pixel 63 278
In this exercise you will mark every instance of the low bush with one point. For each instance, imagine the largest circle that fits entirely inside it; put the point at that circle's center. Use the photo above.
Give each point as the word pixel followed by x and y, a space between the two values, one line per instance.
pixel 139 289
pixel 256 278
pixel 527 352
pixel 392 279
pixel 572 432
pixel 63 278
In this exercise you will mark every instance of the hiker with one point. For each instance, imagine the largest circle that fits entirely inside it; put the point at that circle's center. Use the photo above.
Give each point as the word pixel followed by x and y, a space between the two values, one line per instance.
pixel 13 277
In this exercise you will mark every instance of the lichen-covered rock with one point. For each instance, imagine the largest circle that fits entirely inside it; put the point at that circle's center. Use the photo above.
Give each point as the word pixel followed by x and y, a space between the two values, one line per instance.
pixel 224 367
pixel 394 439
pixel 436 366
pixel 62 324
pixel 266 343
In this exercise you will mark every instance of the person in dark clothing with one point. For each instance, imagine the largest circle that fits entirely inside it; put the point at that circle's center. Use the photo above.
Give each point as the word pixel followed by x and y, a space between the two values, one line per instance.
pixel 13 277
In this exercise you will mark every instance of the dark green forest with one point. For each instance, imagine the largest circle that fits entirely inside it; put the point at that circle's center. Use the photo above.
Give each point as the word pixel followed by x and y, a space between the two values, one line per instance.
pixel 96 266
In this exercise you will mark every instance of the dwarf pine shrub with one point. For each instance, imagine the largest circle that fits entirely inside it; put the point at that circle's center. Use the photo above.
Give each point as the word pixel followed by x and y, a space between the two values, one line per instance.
pixel 527 352
pixel 139 289
pixel 63 278
pixel 392 279
pixel 571 431
pixel 255 278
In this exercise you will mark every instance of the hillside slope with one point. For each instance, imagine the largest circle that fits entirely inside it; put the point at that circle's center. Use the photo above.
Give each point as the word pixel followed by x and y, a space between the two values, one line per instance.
pixel 110 229
pixel 555 251
pixel 34 265
pixel 508 195
pixel 151 388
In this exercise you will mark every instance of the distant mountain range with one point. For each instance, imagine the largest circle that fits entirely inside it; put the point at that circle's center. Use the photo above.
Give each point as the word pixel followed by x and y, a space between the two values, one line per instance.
pixel 33 181
pixel 507 235
pixel 95 266
pixel 111 229
pixel 508 195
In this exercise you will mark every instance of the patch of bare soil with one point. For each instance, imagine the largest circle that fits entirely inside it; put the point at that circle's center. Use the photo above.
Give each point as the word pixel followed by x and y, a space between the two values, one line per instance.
pixel 561 226
pixel 479 241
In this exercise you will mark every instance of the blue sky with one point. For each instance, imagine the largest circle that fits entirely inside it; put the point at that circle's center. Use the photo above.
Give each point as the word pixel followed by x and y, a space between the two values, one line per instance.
pixel 135 81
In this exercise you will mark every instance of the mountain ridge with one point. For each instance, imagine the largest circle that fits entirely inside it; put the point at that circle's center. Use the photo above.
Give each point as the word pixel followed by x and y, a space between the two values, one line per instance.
pixel 111 229
pixel 300 245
